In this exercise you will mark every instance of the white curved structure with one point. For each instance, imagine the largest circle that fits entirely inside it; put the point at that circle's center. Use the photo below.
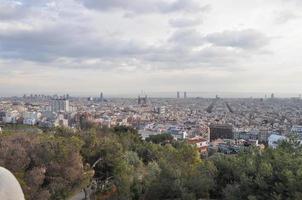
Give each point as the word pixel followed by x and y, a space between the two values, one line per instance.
pixel 10 188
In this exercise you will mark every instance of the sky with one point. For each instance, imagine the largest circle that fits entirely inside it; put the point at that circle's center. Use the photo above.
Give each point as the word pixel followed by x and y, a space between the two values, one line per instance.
pixel 128 46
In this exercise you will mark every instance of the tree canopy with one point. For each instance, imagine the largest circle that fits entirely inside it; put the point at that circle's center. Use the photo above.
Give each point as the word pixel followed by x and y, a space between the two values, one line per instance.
pixel 117 164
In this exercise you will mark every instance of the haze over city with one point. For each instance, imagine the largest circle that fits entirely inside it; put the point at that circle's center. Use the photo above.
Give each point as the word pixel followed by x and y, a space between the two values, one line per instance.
pixel 123 47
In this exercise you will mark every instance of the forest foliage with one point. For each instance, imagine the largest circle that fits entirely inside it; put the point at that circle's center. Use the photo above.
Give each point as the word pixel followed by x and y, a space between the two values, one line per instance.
pixel 117 164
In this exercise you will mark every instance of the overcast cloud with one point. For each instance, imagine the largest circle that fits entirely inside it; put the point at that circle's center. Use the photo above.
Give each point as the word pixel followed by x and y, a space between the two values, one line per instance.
pixel 54 46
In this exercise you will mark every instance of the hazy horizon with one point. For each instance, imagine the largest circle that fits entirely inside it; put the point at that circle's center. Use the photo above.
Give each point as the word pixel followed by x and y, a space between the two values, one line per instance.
pixel 190 94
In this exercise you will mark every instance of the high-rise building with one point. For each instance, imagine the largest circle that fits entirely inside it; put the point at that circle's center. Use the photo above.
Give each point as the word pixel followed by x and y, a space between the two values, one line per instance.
pixel 178 95
pixel 59 105
pixel 272 96
pixel 101 97
pixel 185 95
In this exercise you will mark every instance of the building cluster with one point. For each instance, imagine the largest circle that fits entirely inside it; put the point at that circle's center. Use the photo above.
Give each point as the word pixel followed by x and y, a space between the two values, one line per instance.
pixel 220 124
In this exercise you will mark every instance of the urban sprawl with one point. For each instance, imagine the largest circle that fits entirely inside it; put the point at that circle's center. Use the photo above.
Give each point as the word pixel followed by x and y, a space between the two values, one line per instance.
pixel 212 124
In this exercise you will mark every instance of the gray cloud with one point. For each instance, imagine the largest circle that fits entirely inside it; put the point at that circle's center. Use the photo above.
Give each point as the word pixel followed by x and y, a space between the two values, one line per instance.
pixel 76 42
pixel 186 38
pixel 184 58
pixel 82 44
pixel 146 6
pixel 244 39
pixel 11 10
pixel 190 48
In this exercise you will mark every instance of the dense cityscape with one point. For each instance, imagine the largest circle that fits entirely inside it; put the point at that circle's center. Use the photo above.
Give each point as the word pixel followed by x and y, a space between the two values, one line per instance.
pixel 236 121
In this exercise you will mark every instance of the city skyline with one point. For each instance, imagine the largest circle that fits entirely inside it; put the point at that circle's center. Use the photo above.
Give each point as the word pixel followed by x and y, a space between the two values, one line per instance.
pixel 174 94
pixel 79 46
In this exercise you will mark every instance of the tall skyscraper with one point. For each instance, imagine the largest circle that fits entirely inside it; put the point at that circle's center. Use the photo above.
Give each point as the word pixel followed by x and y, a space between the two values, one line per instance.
pixel 185 95
pixel 101 97
pixel 178 95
